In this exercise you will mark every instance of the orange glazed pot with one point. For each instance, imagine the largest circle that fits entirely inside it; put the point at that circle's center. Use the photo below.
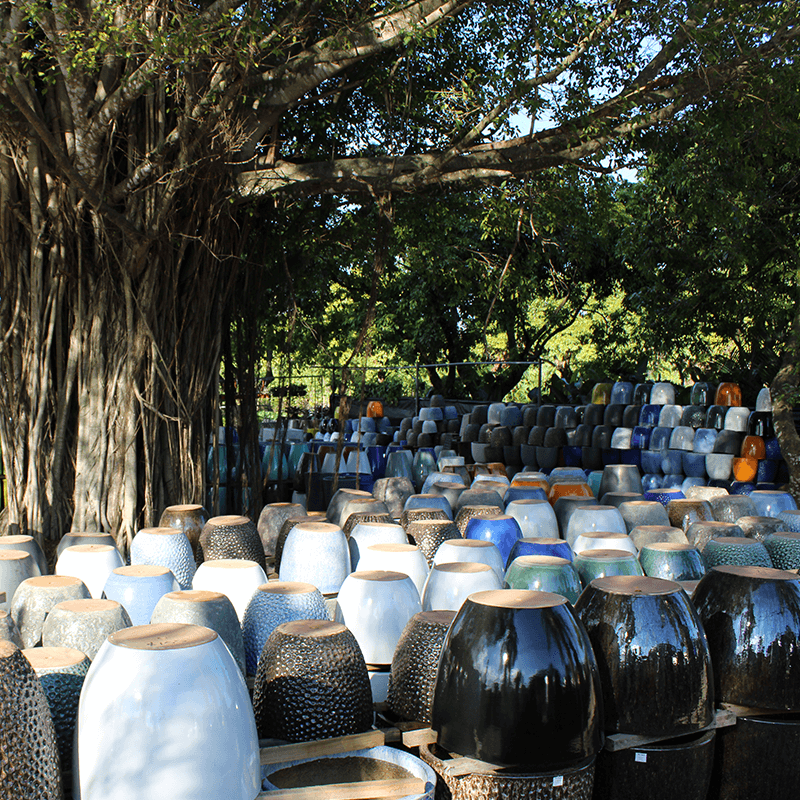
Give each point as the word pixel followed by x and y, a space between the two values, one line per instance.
pixel 729 394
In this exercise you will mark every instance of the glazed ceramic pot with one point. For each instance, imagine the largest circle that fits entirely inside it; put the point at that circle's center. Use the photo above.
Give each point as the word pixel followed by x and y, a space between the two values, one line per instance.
pixel 270 520
pixel 393 492
pixel 359 504
pixel 759 528
pixel 735 550
pixel 450 491
pixel 592 564
pixel 376 606
pixel 620 478
pixel 672 561
pixel 207 609
pixel 138 589
pixel 420 514
pixel 29 545
pixel 646 534
pixel 544 574
pixel 518 683
pixel 343 496
pixel 568 488
pixel 565 507
pixel 9 632
pixel 140 696
pixel 790 520
pixel 704 440
pixel 405 558
pixel 414 665
pixel 653 657
pixel 636 513
pixel 237 578
pixel 784 549
pixel 83 537
pixel 441 477
pixel 311 683
pixel 604 540
pixel 366 533
pixel 165 547
pixel 477 497
pixel 771 503
pixel 61 671
pixel 728 394
pixel 429 501
pixel 273 604
pixel 683 512
pixel 616 499
pixel 374 763
pixel 502 530
pixel 29 760
pixel 756 759
pixel 594 518
pixel 664 495
pixel 232 537
pixel 659 771
pixel 189 518
pixel 428 535
pixel 316 553
pixel 745 469
pixel 699 533
pixel 534 517
pixel 751 616
pixel 92 563
pixel 540 547
pixel 449 584
pixel 312 516
pixel 16 566
pixel 83 624
pixel 736 418
pixel 478 551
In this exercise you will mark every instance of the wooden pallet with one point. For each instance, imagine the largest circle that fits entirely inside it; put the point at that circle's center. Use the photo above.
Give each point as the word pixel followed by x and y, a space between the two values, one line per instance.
pixel 723 718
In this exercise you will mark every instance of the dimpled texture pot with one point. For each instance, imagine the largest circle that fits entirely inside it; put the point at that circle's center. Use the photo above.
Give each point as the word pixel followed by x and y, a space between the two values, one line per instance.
pixel 751 616
pixel 735 550
pixel 784 549
pixel 311 683
pixel 140 698
pixel 652 654
pixel 232 537
pixel 273 604
pixel 29 760
pixel 35 597
pixel 518 683
pixel 61 671
pixel 421 514
pixel 165 547
pixel 661 771
pixel 428 535
pixel 414 665
pixel 189 518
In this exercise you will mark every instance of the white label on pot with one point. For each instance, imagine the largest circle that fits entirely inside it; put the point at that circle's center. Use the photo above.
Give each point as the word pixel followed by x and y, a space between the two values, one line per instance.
pixel 558 780
pixel 642 757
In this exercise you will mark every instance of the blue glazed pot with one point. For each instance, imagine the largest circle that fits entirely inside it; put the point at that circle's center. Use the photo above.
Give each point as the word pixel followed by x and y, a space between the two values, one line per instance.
pixel 651 462
pixel 664 496
pixel 651 481
pixel 640 438
pixel 138 589
pixel 540 547
pixel 518 683
pixel 672 561
pixel 501 530
pixel 771 503
pixel 648 418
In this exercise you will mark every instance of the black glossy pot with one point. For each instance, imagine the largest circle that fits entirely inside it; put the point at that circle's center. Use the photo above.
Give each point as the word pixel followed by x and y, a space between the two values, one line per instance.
pixel 517 683
pixel 757 759
pixel 652 654
pixel 679 769
pixel 751 616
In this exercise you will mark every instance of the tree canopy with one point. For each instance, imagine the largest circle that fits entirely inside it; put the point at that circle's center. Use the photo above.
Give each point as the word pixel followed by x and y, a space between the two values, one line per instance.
pixel 136 140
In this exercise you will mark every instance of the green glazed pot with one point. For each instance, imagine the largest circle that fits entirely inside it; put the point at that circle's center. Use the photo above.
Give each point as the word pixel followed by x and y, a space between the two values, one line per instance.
pixel 593 564
pixel 544 574
pixel 673 561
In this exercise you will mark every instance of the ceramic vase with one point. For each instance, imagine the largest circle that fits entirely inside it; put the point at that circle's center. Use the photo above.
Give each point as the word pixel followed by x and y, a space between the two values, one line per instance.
pixel 190 519
pixel 238 579
pixel 502 530
pixel 449 584
pixel 138 589
pixel 232 537
pixel 165 547
pixel 316 553
pixel 83 624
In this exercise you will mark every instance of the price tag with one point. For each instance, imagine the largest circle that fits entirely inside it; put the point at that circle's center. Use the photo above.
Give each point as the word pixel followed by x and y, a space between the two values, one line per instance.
pixel 558 780
pixel 641 758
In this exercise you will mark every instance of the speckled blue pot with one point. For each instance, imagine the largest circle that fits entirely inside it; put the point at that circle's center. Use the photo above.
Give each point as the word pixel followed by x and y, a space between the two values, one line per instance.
pixel 664 496
pixel 165 547
pixel 648 418
pixel 767 471
pixel 651 481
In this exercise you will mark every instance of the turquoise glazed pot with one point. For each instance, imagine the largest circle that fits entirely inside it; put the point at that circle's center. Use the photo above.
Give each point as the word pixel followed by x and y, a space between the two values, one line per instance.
pixel 593 564
pixel 784 549
pixel 735 550
pixel 673 561
pixel 518 684
pixel 544 574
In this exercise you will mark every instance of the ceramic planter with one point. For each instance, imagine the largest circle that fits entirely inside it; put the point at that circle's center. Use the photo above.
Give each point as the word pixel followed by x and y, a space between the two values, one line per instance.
pixel 311 683
pixel 449 584
pixel 16 566
pixel 544 574
pixel 270 520
pixel 376 606
pixel 593 564
pixel 604 540
pixel 29 760
pixel 393 492
pixel 534 517
pixel 735 550
pixel 540 547
pixel 672 561
pixel 414 665
pixel 636 513
pixel 645 534
pixel 83 537
pixel 759 528
pixel 405 558
pixel 751 616
pixel 653 657
pixel 238 579
pixel 165 547
pixel 29 545
pixel 140 697
pixel 138 589
pixel 771 503
pixel 683 512
pixel 316 553
pixel 232 537
pixel 594 518
pixel 189 518
pixel 366 533
pixel 207 609
pixel 518 683
pixel 700 533
pixel 784 549
pixel 476 551
pixel 428 535
pixel 92 563
pixel 565 507
pixel 83 624
pixel 620 478
pixel 500 529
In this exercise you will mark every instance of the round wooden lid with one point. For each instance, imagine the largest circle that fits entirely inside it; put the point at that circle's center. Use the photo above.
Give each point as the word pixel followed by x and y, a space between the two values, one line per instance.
pixel 465 567
pixel 634 585
pixel 87 605
pixel 762 573
pixel 14 555
pixel 287 587
pixel 53 581
pixel 141 571
pixel 162 636
pixel 53 657
pixel 517 598
pixel 312 628
pixel 379 575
